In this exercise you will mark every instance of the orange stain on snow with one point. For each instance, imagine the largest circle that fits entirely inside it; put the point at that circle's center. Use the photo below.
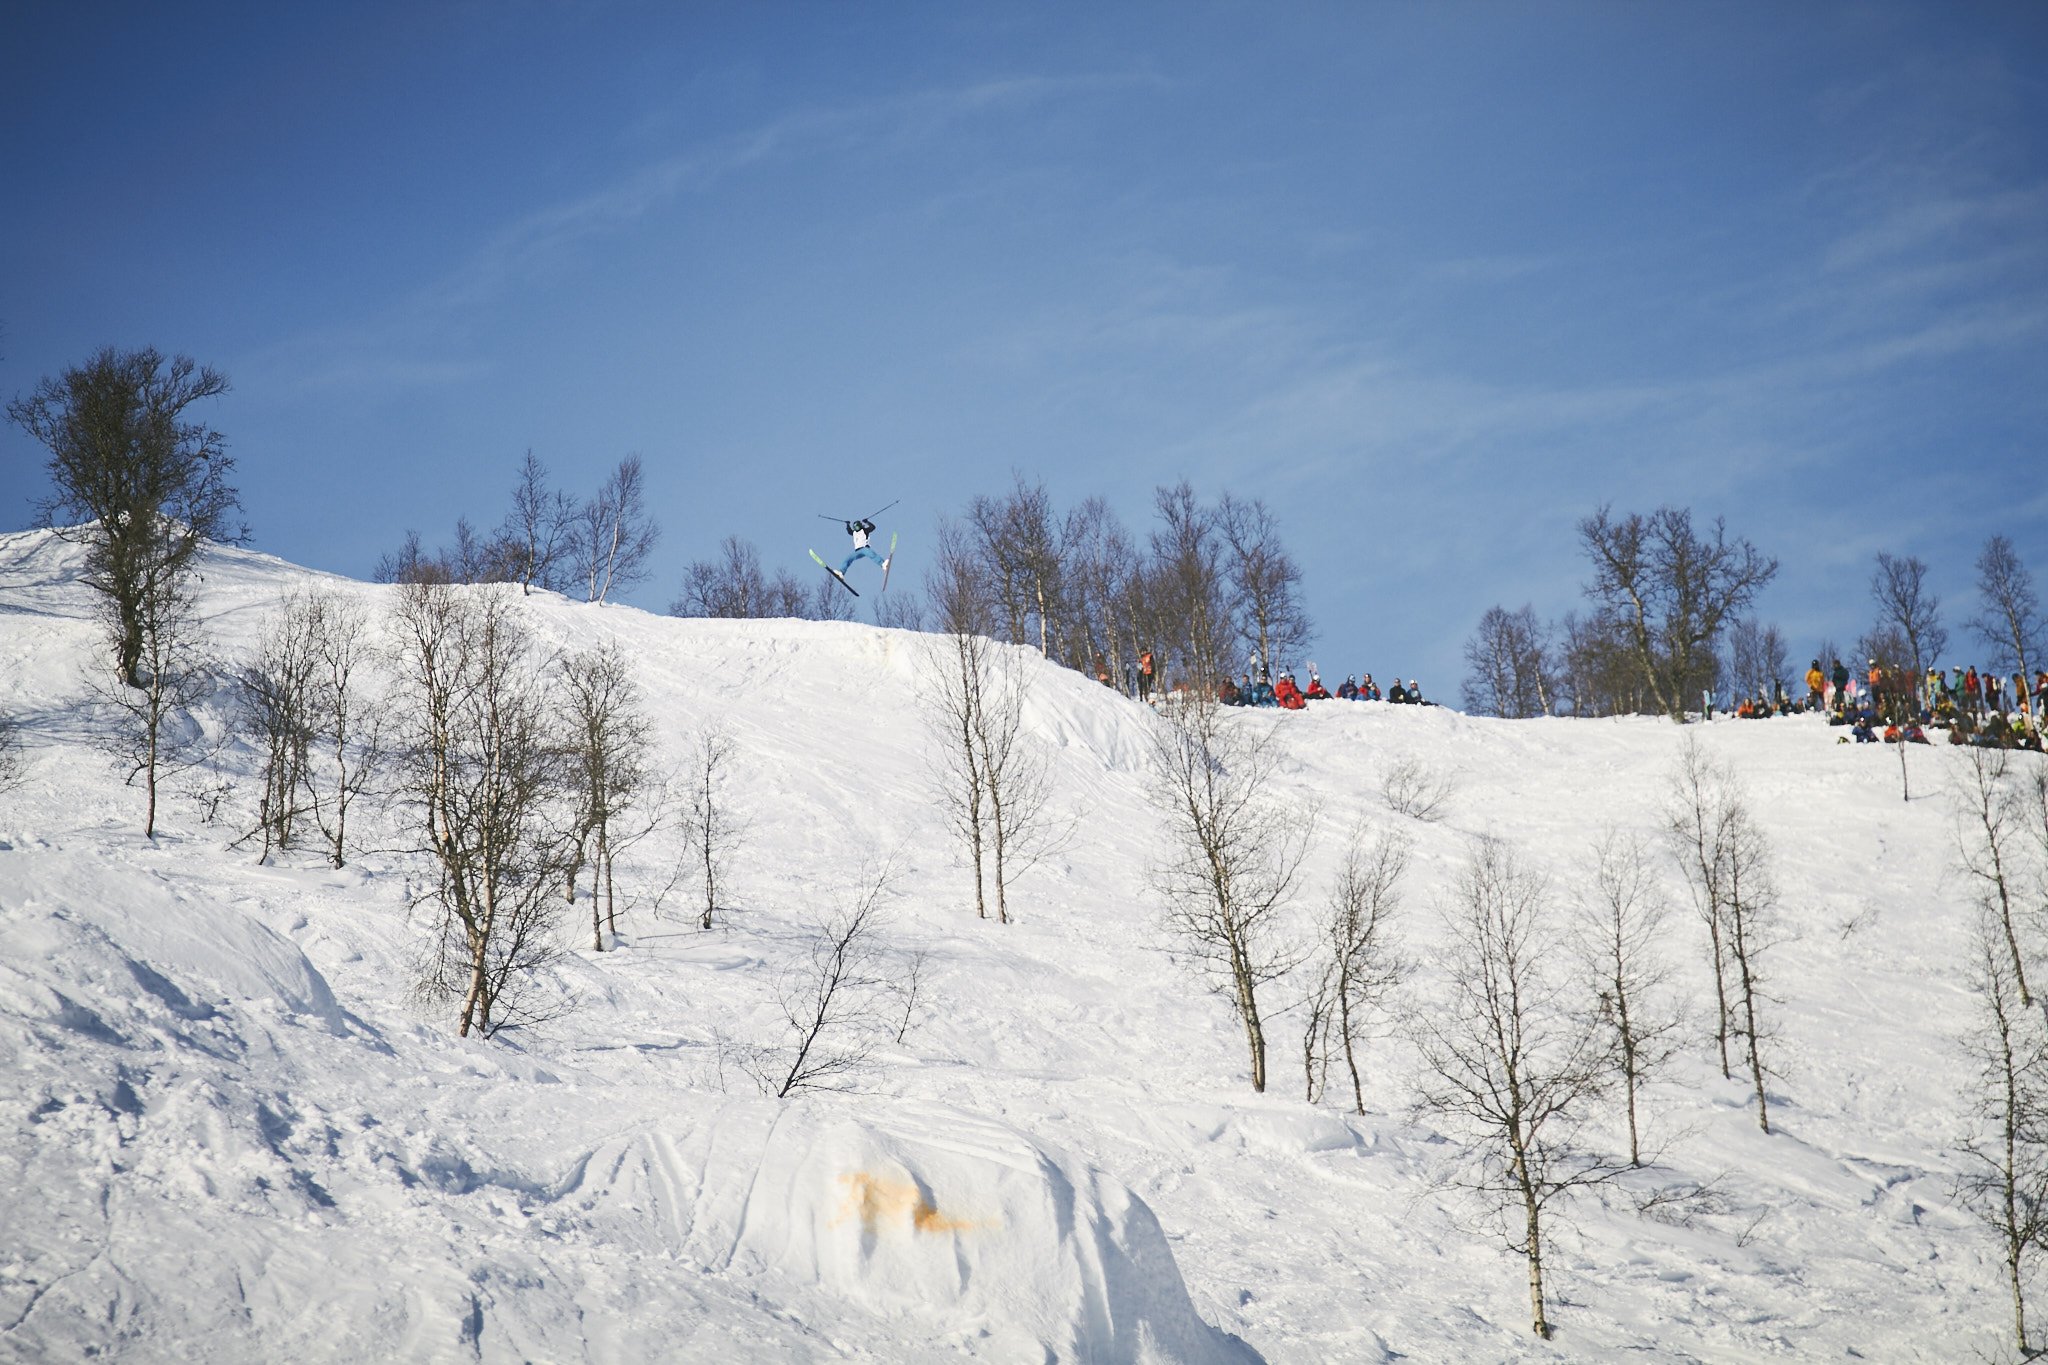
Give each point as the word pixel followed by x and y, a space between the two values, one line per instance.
pixel 877 1199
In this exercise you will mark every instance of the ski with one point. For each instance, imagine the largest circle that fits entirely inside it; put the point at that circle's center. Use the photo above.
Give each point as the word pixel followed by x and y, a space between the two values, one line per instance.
pixel 835 573
pixel 887 562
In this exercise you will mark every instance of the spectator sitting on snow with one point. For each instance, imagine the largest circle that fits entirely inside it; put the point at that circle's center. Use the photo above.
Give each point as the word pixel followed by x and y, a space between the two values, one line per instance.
pixel 2024 735
pixel 1227 693
pixel 1891 734
pixel 1369 690
pixel 1996 731
pixel 1399 695
pixel 1864 734
pixel 1913 734
pixel 1415 694
pixel 1348 689
pixel 1262 694
pixel 1287 694
pixel 1316 690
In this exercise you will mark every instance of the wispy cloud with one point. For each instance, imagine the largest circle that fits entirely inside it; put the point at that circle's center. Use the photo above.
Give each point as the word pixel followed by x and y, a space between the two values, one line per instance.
pixel 535 242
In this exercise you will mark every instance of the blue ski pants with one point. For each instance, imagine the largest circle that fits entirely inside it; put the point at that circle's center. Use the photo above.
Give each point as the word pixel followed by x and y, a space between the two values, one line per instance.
pixel 867 550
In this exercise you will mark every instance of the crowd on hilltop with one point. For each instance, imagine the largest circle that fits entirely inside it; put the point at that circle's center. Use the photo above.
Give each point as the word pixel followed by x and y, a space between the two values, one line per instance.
pixel 1893 706
pixel 1259 687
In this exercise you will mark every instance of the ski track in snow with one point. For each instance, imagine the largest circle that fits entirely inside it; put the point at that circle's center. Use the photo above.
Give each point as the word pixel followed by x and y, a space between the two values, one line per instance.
pixel 226 1133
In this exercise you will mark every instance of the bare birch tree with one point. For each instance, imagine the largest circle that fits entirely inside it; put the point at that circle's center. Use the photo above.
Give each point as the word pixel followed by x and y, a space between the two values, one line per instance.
pixel 274 708
pixel 148 485
pixel 1906 605
pixel 1695 823
pixel 610 740
pixel 539 534
pixel 833 1002
pixel 1509 1060
pixel 1264 579
pixel 1988 823
pixel 482 768
pixel 2010 618
pixel 347 722
pixel 1673 588
pixel 713 831
pixel 1509 666
pixel 1622 919
pixel 615 534
pixel 2005 1180
pixel 148 726
pixel 1232 861
pixel 1364 964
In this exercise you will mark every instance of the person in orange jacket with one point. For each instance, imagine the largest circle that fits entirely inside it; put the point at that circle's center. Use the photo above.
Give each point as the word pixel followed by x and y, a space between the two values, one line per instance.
pixel 1287 694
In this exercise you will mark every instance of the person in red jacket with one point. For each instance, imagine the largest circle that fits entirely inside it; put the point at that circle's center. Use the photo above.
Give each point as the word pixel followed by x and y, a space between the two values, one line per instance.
pixel 1973 692
pixel 1316 690
pixel 1287 694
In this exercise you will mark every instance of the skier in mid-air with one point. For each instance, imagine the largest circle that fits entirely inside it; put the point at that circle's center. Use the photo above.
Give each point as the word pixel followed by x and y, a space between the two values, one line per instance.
pixel 860 531
pixel 860 528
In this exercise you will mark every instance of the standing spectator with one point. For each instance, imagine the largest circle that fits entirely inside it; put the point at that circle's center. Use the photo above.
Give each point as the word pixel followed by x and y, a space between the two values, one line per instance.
pixel 1816 686
pixel 1973 692
pixel 1840 678
pixel 1145 676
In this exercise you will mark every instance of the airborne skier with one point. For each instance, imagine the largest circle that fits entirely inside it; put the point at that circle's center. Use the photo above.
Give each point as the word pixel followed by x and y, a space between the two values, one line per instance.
pixel 860 531
pixel 860 528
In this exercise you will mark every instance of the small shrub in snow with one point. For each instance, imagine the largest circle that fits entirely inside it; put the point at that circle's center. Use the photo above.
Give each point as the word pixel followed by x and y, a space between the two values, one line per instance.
pixel 1411 789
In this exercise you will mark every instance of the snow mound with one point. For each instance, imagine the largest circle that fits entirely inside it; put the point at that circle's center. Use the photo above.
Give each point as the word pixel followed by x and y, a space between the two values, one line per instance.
pixel 920 1211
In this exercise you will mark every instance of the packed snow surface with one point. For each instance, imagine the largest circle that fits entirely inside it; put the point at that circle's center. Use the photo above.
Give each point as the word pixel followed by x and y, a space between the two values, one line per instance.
pixel 228 1131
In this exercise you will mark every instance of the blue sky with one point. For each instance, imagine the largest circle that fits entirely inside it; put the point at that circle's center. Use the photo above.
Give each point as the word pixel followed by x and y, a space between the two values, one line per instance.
pixel 1434 280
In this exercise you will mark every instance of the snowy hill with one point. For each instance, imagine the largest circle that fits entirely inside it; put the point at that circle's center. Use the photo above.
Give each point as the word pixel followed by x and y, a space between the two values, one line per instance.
pixel 227 1132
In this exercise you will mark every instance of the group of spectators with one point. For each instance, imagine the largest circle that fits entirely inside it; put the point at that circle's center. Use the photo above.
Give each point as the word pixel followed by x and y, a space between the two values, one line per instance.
pixel 1283 692
pixel 1987 709
pixel 1291 696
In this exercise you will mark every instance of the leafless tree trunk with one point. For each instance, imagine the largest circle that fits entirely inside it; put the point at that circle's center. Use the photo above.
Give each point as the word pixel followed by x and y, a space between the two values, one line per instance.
pixel 1364 965
pixel 1233 855
pixel 1507 1058
pixel 2006 1181
pixel 1674 589
pixel 714 831
pixel 1752 904
pixel 275 698
pixel 148 484
pixel 1622 920
pixel 951 680
pixel 1189 623
pixel 832 1003
pixel 1904 603
pixel 1987 830
pixel 615 535
pixel 348 725
pixel 1509 661
pixel 610 740
pixel 539 533
pixel 483 770
pixel 1264 579
pixel 993 786
pixel 148 727
pixel 1758 658
pixel 2010 621
pixel 1696 823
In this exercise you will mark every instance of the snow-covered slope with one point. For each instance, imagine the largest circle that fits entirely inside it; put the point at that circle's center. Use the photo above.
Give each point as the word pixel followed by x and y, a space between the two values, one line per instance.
pixel 227 1133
